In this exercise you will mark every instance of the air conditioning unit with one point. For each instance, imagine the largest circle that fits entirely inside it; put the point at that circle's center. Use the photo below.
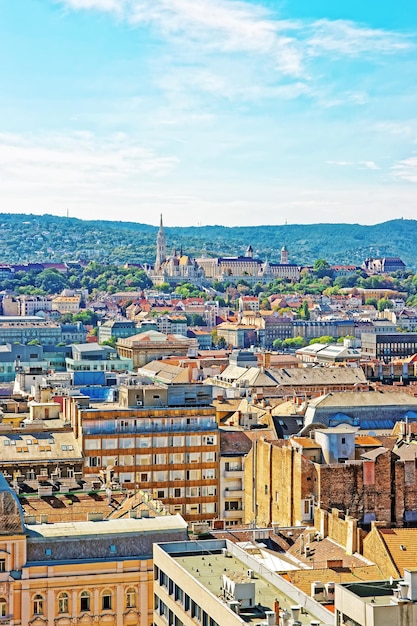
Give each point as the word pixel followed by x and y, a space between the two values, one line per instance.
pixel 318 591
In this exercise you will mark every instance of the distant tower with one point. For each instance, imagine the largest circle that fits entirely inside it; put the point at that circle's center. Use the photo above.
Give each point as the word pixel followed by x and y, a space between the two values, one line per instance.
pixel 161 247
pixel 249 252
pixel 284 255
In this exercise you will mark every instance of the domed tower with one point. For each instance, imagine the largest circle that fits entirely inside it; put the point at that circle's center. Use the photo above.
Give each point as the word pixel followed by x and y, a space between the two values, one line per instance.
pixel 161 247
pixel 284 255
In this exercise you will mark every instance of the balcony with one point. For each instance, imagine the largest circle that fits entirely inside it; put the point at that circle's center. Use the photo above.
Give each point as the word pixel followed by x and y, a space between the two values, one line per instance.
pixel 230 492
pixel 235 514
pixel 233 473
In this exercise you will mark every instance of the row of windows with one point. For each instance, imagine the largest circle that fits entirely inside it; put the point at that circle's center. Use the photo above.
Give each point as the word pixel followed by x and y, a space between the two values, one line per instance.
pixel 177 458
pixel 189 605
pixel 158 476
pixel 112 443
pixel 85 602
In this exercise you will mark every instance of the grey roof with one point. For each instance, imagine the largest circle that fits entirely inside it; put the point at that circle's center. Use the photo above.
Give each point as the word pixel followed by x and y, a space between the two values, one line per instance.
pixel 293 376
pixel 373 454
pixel 349 399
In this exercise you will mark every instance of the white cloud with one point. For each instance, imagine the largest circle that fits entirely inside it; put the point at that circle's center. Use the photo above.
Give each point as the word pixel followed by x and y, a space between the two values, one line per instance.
pixel 405 170
pixel 240 26
pixel 369 165
pixel 79 158
pixel 343 37
pixel 363 165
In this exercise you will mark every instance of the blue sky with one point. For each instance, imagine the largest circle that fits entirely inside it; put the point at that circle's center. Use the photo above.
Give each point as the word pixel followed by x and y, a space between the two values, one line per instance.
pixel 210 111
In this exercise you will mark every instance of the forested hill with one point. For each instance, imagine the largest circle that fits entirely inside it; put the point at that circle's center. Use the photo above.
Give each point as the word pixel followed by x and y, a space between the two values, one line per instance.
pixel 47 237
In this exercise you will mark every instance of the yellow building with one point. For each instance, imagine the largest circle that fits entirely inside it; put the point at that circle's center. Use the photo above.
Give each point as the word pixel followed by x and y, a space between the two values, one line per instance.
pixel 66 304
pixel 80 572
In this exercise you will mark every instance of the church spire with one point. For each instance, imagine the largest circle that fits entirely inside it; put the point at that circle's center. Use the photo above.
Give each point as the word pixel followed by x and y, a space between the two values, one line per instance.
pixel 161 246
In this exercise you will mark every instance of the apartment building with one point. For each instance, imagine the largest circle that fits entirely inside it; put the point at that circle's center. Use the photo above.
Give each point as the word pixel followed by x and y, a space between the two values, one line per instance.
pixel 217 583
pixel 388 346
pixel 234 446
pixel 170 452
pixel 20 329
pixel 340 468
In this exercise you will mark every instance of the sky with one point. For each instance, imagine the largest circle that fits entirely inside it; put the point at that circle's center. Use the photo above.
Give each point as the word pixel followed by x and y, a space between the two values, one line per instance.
pixel 209 111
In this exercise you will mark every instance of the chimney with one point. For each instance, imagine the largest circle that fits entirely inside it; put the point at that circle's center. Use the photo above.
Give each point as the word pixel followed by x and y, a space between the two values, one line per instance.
pixel 266 360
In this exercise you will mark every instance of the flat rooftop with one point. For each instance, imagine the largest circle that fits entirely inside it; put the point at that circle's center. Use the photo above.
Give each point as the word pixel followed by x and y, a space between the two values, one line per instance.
pixel 209 569
pixel 106 527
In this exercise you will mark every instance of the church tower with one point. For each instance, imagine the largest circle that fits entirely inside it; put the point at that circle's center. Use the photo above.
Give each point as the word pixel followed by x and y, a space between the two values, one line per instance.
pixel 161 247
pixel 284 255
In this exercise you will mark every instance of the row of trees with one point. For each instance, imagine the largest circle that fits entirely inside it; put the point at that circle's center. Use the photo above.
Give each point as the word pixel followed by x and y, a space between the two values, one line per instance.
pixel 93 277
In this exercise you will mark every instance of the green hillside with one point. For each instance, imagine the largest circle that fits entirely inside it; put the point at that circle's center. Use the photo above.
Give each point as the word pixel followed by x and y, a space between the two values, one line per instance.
pixel 47 237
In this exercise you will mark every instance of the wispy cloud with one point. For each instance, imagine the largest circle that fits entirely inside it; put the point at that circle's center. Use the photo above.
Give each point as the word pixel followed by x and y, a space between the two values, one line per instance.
pixel 240 26
pixel 343 37
pixel 79 158
pixel 363 165
pixel 405 170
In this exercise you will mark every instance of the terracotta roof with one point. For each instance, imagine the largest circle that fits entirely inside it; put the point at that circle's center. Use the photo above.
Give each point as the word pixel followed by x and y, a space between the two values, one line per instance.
pixel 305 442
pixel 367 440
pixel 303 578
pixel 401 544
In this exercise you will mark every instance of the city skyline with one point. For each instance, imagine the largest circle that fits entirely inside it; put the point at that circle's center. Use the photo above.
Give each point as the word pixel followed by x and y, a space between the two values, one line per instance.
pixel 227 112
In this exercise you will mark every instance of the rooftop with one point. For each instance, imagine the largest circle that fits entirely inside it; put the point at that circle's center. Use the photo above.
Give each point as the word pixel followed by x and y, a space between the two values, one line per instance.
pixel 209 568
pixel 106 527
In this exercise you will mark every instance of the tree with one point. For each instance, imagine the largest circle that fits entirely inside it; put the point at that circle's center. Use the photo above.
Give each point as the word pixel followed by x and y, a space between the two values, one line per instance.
pixel 277 344
pixel 323 339
pixel 221 344
pixel 110 342
pixel 293 343
pixel 342 339
pixel 322 268
pixel 304 311
pixel 384 303
pixel 87 317
pixel 371 302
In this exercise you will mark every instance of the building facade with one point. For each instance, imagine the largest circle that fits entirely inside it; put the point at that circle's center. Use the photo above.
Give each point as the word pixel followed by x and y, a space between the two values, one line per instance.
pixel 173 453
pixel 78 572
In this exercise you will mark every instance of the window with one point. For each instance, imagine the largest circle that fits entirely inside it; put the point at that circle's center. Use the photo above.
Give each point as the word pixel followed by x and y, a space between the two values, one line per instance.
pixel 3 607
pixel 130 598
pixel 2 565
pixel 63 603
pixel 85 601
pixel 93 461
pixel 38 604
pixel 106 599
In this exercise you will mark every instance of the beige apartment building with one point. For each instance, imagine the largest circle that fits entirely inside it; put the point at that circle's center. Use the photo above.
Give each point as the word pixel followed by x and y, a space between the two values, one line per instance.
pixel 171 453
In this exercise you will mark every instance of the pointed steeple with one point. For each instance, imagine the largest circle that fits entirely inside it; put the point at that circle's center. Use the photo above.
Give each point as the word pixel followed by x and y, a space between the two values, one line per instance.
pixel 161 246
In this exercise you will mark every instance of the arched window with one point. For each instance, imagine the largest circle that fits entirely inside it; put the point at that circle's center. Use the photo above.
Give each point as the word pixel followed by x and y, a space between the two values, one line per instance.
pixel 63 603
pixel 38 604
pixel 3 607
pixel 85 598
pixel 106 599
pixel 130 598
